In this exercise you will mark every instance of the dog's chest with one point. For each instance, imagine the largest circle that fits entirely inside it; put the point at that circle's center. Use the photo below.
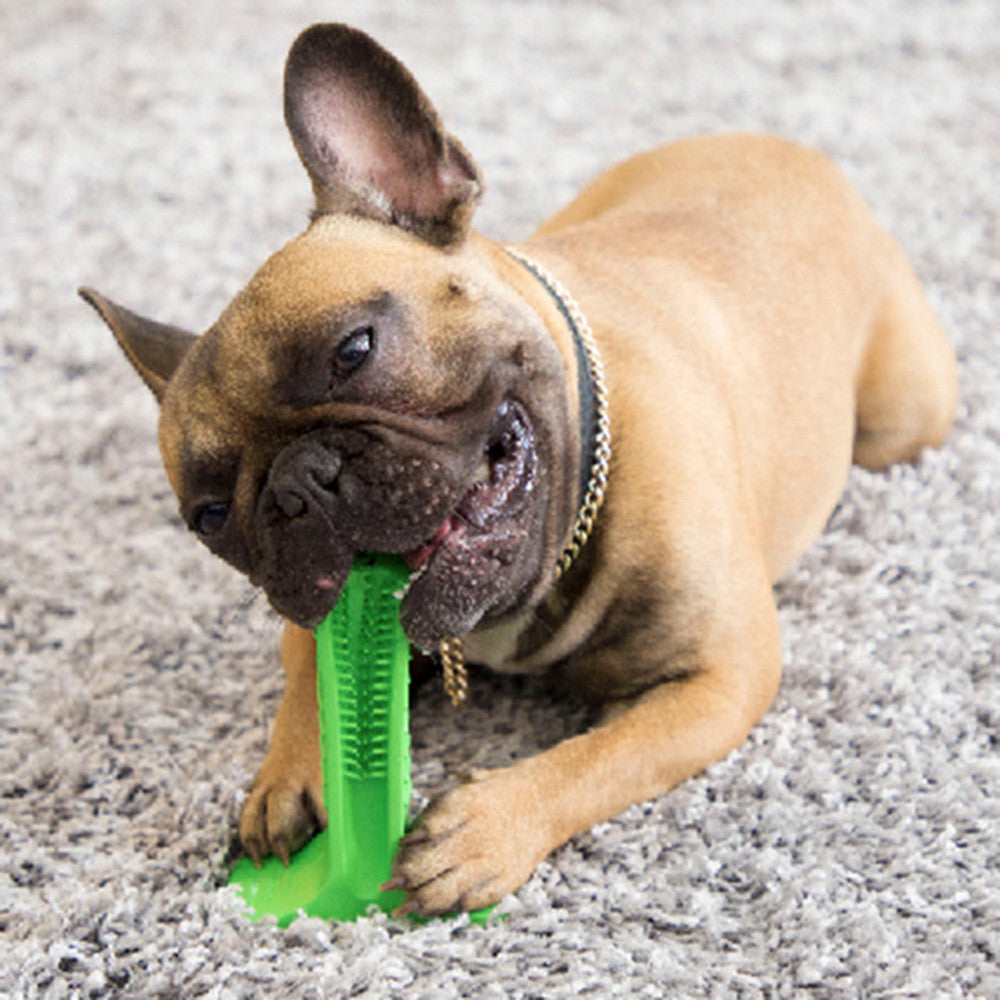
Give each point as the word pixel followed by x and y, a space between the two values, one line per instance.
pixel 497 646
pixel 525 643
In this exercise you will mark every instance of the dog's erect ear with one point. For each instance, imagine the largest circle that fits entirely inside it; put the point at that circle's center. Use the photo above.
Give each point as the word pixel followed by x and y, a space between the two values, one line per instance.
pixel 154 349
pixel 370 139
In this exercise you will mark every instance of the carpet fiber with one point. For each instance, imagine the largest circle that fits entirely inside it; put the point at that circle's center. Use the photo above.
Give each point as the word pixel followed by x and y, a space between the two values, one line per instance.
pixel 848 849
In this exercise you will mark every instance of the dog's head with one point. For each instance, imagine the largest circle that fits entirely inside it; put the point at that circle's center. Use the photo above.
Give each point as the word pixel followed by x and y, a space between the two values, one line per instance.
pixel 376 386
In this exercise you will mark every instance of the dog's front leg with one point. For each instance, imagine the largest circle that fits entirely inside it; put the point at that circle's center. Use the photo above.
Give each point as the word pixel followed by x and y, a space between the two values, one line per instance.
pixel 484 838
pixel 285 805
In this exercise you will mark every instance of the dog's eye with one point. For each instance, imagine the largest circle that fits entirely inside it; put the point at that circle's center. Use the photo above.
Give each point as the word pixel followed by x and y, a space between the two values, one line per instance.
pixel 353 350
pixel 210 518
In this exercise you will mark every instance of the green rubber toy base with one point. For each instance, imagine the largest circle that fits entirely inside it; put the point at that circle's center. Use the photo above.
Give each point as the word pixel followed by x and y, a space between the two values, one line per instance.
pixel 305 886
pixel 362 687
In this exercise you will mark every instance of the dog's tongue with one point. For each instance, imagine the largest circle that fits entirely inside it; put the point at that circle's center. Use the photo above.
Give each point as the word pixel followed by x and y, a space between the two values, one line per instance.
pixel 416 558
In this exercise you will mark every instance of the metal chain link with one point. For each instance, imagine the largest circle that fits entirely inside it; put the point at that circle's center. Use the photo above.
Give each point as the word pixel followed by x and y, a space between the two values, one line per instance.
pixel 456 680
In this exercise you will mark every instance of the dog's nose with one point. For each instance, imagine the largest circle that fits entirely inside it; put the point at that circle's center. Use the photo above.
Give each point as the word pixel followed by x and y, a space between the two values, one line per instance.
pixel 302 474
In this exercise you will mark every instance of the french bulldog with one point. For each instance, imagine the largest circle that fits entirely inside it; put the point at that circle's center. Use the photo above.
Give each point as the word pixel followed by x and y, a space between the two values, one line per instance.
pixel 392 381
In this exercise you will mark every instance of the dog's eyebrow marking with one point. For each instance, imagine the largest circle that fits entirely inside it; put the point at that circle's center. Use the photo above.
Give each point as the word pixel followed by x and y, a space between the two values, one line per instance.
pixel 302 357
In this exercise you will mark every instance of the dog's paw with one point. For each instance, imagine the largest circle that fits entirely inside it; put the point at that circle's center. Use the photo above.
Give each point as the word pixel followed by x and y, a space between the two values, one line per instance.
pixel 472 846
pixel 283 811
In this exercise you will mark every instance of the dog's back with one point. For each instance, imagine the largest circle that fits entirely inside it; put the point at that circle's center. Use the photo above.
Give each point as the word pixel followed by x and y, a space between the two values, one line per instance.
pixel 770 284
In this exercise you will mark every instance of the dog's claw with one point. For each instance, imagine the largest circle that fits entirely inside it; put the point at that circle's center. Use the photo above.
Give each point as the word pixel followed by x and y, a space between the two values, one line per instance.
pixel 280 849
pixel 466 777
pixel 418 836
pixel 253 849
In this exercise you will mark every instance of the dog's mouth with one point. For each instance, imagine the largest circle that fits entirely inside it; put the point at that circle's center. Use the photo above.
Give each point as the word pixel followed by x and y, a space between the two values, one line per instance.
pixel 465 568
pixel 501 485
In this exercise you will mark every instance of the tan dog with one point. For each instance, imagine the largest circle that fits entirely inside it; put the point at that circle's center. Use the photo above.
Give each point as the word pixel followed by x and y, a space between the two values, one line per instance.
pixel 392 381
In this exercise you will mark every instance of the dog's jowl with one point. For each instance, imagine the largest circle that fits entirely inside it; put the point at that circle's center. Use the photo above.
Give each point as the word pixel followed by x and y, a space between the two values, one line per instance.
pixel 596 450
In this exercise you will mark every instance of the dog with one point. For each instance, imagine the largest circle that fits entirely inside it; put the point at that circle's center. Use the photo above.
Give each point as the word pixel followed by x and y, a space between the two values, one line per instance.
pixel 597 450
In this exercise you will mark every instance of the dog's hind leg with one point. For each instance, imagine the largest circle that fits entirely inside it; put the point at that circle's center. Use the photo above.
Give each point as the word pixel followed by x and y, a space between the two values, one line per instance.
pixel 907 388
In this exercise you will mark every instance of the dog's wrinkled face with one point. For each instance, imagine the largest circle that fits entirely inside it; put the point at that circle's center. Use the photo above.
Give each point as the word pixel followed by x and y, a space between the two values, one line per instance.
pixel 413 407
pixel 376 386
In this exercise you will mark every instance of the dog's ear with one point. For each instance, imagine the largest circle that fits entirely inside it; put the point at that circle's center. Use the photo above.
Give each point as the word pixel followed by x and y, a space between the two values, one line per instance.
pixel 371 140
pixel 154 349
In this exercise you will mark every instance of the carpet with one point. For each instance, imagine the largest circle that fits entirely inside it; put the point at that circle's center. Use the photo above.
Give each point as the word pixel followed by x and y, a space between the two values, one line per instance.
pixel 848 849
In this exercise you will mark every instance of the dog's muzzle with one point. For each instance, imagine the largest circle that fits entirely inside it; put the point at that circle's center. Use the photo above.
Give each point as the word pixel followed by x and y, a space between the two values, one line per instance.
pixel 459 517
pixel 333 493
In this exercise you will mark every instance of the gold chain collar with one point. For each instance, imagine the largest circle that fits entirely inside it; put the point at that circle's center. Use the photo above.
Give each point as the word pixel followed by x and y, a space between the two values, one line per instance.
pixel 450 649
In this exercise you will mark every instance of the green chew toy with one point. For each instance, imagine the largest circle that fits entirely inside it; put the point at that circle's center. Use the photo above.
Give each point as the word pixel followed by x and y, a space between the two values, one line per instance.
pixel 363 676
pixel 362 671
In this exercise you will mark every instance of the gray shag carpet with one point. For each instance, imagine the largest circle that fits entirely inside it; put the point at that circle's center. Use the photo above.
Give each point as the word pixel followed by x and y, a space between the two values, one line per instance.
pixel 850 849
